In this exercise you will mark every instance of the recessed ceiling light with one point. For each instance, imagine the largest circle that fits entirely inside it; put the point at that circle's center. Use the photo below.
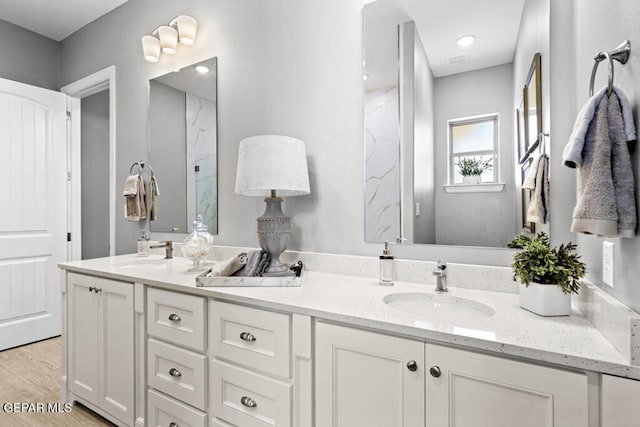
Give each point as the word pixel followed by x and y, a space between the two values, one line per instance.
pixel 202 69
pixel 466 40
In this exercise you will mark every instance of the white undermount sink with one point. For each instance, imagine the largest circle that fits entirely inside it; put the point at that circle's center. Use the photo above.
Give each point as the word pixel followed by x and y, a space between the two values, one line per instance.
pixel 142 262
pixel 439 307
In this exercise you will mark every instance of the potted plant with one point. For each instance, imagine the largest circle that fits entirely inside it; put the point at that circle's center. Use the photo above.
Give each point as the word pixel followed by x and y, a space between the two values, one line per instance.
pixel 471 168
pixel 549 274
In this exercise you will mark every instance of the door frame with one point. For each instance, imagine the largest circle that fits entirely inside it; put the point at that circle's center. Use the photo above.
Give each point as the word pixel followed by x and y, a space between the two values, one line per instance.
pixel 87 86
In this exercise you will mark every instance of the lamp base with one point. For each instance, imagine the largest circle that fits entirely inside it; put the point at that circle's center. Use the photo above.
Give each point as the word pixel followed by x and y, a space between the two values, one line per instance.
pixel 274 228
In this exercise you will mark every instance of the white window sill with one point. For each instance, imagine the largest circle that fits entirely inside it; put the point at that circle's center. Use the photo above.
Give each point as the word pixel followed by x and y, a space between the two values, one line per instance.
pixel 475 188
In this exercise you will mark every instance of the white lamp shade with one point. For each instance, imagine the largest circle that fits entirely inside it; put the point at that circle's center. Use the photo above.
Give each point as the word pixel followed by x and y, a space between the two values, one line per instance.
pixel 187 27
pixel 272 162
pixel 168 39
pixel 151 48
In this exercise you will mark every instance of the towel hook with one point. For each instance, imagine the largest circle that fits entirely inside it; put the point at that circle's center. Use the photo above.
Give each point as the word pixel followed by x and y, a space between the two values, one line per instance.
pixel 620 54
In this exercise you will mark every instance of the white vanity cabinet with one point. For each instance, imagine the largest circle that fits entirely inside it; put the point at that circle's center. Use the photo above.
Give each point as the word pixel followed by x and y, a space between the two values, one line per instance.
pixel 467 389
pixel 367 378
pixel 176 364
pixel 620 402
pixel 100 345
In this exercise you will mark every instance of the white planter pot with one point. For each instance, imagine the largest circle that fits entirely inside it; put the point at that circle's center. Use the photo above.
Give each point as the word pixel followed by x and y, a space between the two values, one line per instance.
pixel 545 300
pixel 471 179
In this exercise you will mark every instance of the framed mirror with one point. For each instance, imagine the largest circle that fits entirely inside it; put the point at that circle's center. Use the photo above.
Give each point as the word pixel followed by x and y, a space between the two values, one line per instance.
pixel 182 131
pixel 533 106
pixel 422 90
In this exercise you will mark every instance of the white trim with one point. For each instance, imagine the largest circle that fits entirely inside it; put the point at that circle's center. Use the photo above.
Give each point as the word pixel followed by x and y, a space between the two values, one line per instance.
pixel 90 85
pixel 475 188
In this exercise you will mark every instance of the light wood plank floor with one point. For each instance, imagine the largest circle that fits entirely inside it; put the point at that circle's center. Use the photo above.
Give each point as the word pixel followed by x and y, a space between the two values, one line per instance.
pixel 31 374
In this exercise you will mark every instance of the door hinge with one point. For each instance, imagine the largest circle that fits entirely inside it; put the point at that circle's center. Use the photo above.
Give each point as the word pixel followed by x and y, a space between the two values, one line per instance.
pixel 68 237
pixel 197 168
pixel 68 115
pixel 68 176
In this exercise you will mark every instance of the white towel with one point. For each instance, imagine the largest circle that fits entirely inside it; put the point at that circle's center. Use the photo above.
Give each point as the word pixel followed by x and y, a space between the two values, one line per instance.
pixel 539 204
pixel 131 185
pixel 572 154
pixel 229 266
pixel 530 180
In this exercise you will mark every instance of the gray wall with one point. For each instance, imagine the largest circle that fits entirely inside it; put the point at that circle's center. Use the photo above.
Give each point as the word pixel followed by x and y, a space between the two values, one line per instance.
pixel 485 219
pixel 603 26
pixel 169 155
pixel 28 57
pixel 95 175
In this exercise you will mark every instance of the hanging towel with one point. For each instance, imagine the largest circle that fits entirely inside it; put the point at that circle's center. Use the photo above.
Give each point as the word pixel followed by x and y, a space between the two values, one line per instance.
pixel 151 198
pixel 573 151
pixel 229 266
pixel 539 204
pixel 606 190
pixel 134 208
pixel 530 180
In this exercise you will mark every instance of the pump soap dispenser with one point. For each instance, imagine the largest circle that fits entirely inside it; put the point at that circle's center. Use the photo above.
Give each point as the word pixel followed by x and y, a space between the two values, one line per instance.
pixel 386 266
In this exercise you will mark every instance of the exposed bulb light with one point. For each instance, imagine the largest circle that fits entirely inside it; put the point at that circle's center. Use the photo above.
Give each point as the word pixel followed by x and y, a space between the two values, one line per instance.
pixel 465 41
pixel 202 69
pixel 165 38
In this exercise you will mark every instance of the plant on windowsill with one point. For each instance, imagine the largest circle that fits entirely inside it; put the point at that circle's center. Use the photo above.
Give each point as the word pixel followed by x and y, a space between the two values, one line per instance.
pixel 471 168
pixel 549 274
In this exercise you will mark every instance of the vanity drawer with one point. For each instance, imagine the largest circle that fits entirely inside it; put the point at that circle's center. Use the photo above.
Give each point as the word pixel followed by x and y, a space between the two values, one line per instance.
pixel 177 372
pixel 177 318
pixel 251 337
pixel 165 411
pixel 248 399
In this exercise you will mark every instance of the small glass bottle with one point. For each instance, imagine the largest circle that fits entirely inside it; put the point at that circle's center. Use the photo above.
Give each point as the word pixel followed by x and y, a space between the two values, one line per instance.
pixel 386 266
pixel 143 244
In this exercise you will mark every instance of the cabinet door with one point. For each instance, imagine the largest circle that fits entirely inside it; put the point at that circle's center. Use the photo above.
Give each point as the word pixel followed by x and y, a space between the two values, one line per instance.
pixel 116 368
pixel 83 339
pixel 362 379
pixel 476 390
pixel 620 402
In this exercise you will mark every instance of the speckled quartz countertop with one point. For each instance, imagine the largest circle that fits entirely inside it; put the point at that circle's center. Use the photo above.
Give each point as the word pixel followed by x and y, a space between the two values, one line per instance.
pixel 567 341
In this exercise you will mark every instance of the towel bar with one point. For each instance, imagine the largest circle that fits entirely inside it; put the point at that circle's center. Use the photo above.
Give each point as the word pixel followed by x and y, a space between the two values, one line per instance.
pixel 620 54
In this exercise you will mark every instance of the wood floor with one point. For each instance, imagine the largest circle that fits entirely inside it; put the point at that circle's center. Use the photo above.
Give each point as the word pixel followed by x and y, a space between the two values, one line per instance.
pixel 31 374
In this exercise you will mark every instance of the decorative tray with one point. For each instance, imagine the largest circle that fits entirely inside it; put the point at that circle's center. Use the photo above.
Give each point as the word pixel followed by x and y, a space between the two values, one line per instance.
pixel 289 281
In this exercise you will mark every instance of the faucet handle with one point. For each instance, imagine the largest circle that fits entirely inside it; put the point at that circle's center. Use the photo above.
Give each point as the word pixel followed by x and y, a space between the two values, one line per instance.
pixel 441 265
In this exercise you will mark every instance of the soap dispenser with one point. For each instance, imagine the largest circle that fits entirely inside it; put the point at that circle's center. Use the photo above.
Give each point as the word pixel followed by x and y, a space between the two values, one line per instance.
pixel 143 244
pixel 386 266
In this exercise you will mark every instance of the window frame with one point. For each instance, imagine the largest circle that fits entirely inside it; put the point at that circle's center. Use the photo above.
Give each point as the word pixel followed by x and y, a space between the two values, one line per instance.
pixel 495 153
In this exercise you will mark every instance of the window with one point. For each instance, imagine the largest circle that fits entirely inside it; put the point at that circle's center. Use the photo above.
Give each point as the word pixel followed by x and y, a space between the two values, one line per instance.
pixel 474 138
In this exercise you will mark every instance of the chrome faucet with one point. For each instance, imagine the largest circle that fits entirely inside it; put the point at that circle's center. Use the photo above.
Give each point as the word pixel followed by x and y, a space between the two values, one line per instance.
pixel 168 248
pixel 441 276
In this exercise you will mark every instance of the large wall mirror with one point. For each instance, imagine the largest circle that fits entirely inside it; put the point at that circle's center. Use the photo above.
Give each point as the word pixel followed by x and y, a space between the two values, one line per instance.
pixel 432 101
pixel 183 146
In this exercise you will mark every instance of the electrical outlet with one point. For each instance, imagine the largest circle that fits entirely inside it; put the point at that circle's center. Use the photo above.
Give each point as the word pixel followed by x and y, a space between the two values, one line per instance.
pixel 608 262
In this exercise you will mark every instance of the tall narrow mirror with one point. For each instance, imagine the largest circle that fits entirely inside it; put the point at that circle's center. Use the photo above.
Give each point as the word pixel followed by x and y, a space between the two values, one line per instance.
pixel 183 146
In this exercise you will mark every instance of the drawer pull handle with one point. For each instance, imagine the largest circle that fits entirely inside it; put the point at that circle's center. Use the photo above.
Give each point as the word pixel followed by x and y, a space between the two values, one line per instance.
pixel 435 371
pixel 174 317
pixel 412 366
pixel 174 424
pixel 247 336
pixel 91 288
pixel 174 372
pixel 248 402
pixel 98 290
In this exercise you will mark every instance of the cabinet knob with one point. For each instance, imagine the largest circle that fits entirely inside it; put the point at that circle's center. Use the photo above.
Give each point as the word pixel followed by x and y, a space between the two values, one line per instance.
pixel 174 372
pixel 435 371
pixel 174 424
pixel 91 288
pixel 247 336
pixel 174 317
pixel 98 290
pixel 248 402
pixel 412 365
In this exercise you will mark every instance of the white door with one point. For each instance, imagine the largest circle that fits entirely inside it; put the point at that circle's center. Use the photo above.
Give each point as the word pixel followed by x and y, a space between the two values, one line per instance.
pixel 368 379
pixel 32 211
pixel 466 389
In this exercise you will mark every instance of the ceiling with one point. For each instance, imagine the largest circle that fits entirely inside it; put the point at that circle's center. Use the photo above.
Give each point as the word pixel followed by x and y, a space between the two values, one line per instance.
pixel 55 19
pixel 494 23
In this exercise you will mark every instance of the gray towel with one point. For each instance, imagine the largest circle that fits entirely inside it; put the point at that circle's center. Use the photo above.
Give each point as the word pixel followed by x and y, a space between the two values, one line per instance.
pixel 606 190
pixel 539 205
pixel 257 263
pixel 573 151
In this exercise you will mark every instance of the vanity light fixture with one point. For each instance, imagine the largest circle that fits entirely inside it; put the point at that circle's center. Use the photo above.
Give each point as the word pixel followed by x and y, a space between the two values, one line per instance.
pixel 202 69
pixel 268 164
pixel 165 38
pixel 466 40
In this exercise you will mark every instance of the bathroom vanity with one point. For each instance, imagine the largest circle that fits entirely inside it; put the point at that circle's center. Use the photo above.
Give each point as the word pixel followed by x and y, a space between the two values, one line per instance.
pixel 142 345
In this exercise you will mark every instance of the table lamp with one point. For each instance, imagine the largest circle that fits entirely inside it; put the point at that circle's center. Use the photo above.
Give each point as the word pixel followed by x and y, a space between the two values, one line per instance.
pixel 273 166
